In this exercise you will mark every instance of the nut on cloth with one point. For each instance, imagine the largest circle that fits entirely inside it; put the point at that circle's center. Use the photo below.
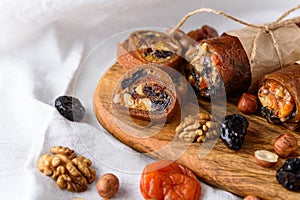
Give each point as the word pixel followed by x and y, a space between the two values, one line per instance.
pixel 70 171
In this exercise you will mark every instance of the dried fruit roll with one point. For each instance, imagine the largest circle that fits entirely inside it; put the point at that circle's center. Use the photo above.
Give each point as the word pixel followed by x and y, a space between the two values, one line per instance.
pixel 279 94
pixel 146 93
pixel 143 47
pixel 216 63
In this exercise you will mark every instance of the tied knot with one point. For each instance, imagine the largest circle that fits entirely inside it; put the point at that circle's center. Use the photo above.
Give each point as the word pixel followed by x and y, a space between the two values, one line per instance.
pixel 265 28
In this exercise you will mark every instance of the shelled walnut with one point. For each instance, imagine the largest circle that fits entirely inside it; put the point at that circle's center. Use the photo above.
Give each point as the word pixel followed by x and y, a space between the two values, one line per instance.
pixel 197 128
pixel 70 171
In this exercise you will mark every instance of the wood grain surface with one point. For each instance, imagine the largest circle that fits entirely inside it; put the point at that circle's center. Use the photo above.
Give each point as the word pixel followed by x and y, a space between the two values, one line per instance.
pixel 234 171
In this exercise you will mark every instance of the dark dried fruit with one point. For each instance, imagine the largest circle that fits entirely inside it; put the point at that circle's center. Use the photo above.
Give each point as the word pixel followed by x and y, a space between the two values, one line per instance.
pixel 162 53
pixel 70 107
pixel 205 32
pixel 271 117
pixel 289 174
pixel 128 81
pixel 233 130
pixel 158 96
pixel 158 53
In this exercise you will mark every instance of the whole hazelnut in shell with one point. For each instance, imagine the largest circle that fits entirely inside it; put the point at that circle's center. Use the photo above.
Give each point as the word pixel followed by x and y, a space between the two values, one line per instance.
pixel 107 185
pixel 285 144
pixel 248 104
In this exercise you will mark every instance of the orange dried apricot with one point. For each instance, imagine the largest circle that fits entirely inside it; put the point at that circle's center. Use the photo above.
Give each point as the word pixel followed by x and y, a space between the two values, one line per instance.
pixel 166 179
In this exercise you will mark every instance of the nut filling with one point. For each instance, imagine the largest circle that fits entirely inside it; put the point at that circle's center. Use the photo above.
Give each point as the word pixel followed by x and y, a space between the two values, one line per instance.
pixel 145 96
pixel 277 102
pixel 197 128
pixel 204 76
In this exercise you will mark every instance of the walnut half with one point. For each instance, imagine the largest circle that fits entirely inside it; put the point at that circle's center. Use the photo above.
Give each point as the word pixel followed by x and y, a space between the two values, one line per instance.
pixel 197 128
pixel 70 172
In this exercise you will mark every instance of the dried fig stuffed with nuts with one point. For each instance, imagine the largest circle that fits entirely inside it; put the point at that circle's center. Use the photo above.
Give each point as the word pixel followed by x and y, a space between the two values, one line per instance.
pixel 70 172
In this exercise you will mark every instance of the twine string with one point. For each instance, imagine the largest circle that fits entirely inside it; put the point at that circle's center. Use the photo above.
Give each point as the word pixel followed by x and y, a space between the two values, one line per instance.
pixel 264 28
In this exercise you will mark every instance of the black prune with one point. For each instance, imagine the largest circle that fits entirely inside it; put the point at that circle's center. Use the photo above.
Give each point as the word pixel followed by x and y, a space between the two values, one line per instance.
pixel 233 130
pixel 272 118
pixel 289 174
pixel 125 83
pixel 128 81
pixel 70 107
pixel 148 91
pixel 162 53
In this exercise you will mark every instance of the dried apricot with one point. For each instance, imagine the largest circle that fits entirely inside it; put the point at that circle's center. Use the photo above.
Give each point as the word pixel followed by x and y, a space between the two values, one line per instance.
pixel 166 179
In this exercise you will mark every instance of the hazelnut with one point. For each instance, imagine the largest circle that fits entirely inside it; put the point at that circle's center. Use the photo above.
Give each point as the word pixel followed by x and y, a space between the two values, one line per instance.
pixel 265 158
pixel 107 185
pixel 285 144
pixel 248 103
pixel 251 197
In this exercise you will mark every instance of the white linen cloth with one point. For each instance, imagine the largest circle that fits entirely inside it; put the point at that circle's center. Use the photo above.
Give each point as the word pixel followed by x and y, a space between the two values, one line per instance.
pixel 45 52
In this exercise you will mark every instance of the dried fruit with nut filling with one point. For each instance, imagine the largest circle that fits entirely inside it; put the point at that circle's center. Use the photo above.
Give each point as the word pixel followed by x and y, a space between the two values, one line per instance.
pixel 218 64
pixel 146 47
pixel 146 93
pixel 166 179
pixel 279 94
pixel 277 102
pixel 70 171
pixel 233 130
pixel 289 174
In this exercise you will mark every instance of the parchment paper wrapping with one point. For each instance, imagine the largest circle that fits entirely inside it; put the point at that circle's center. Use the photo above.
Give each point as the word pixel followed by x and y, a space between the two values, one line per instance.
pixel 266 59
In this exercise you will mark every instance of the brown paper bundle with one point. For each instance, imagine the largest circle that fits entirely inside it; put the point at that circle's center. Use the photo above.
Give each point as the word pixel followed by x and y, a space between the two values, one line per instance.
pixel 262 54
pixel 269 47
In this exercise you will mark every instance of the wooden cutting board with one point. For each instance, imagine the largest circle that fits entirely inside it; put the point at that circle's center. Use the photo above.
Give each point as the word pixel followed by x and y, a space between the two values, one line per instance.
pixel 234 171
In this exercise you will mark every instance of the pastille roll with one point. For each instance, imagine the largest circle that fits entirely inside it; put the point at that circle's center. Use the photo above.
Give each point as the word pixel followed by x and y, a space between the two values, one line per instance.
pixel 146 93
pixel 143 47
pixel 279 94
pixel 217 63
